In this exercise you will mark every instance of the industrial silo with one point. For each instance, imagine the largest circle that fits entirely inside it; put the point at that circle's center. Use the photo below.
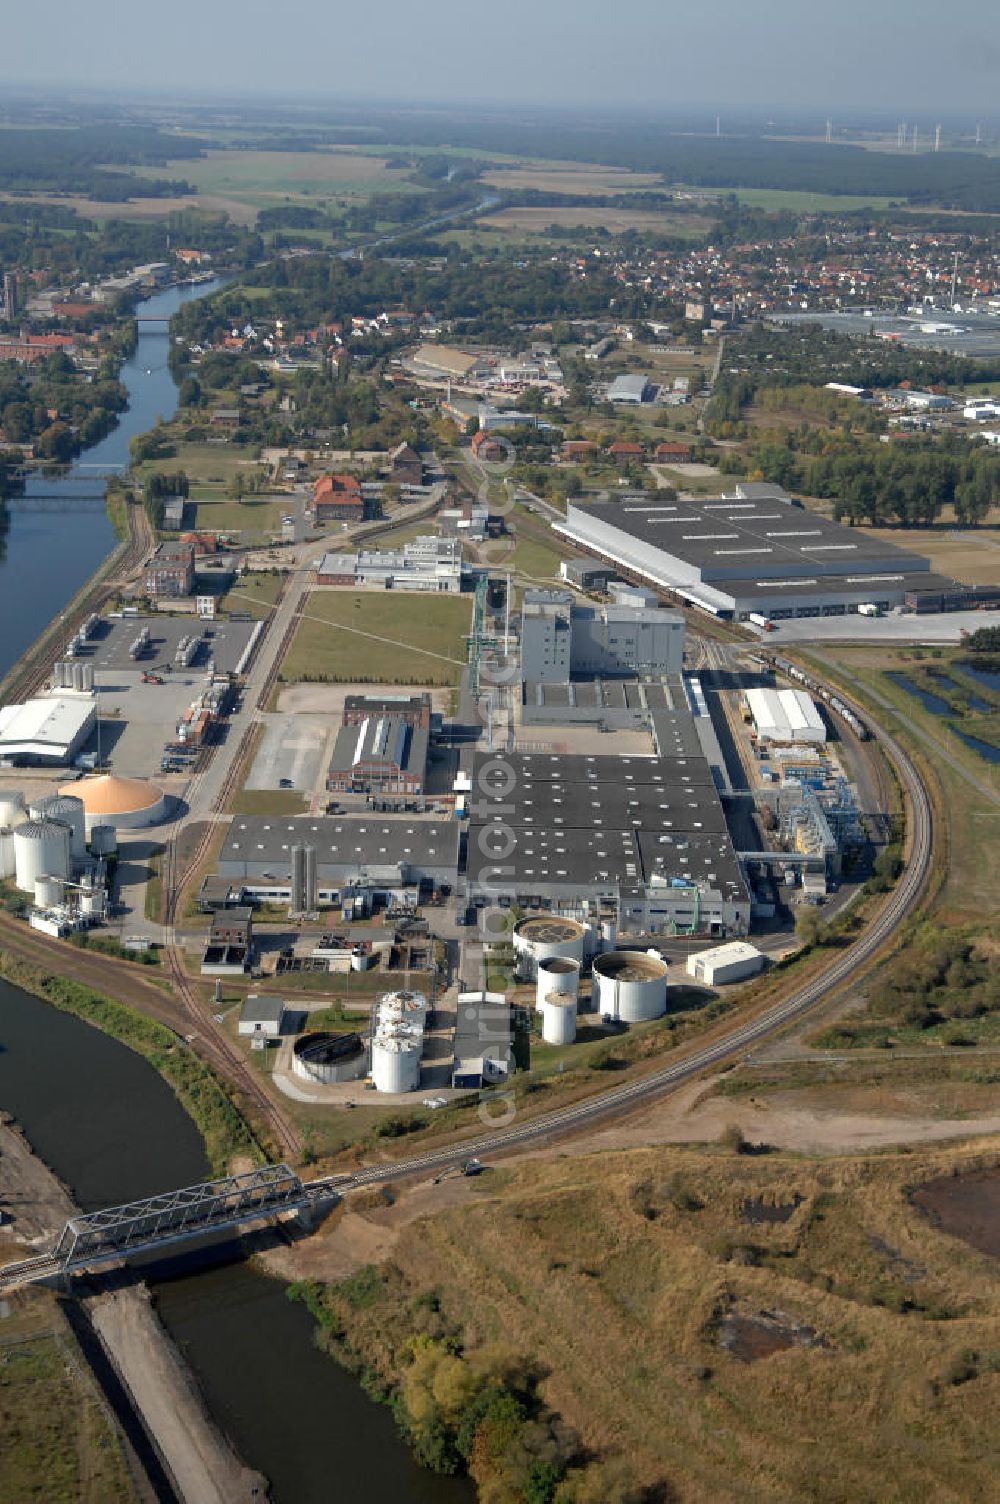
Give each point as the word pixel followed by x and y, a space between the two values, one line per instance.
pixel 49 892
pixel 309 894
pixel 297 896
pixel 630 986
pixel 41 849
pixel 6 851
pixel 557 974
pixel 12 810
pixel 396 1061
pixel 68 810
pixel 545 935
pixel 329 1058
pixel 103 840
pixel 404 1008
pixel 559 1018
pixel 93 902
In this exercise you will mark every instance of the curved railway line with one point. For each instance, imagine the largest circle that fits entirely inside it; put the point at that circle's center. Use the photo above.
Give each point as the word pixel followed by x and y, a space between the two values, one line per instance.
pixel 618 1099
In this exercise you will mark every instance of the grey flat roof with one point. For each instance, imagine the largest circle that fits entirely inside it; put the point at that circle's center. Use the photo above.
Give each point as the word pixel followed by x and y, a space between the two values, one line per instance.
pixel 262 1010
pixel 728 538
pixel 340 841
pixel 414 745
pixel 608 806
pixel 581 858
pixel 497 772
pixel 837 584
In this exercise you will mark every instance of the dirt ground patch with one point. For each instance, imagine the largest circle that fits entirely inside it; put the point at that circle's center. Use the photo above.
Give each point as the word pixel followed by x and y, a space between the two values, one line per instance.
pixel 966 1206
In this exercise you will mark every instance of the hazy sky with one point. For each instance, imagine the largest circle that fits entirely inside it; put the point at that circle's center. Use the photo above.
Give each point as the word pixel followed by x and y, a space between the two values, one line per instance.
pixel 828 54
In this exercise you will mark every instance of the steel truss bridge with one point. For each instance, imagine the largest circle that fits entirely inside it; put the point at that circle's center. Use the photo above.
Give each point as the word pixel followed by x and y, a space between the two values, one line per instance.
pixel 139 1227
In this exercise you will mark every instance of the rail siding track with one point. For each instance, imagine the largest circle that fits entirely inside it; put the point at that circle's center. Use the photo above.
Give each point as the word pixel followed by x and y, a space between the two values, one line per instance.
pixel 658 1083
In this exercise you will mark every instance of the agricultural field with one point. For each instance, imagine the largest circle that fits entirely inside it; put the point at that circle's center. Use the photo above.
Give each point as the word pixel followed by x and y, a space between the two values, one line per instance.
pixel 971 555
pixel 253 180
pixel 573 177
pixel 534 220
pixel 801 202
pixel 379 638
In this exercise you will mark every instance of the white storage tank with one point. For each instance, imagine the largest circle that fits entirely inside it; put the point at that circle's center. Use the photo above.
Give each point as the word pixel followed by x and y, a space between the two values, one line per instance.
pixel 396 1061
pixel 557 974
pixel 12 810
pixel 69 810
pixel 559 1018
pixel 408 1009
pixel 609 934
pixel 48 892
pixel 630 985
pixel 6 851
pixel 41 849
pixel 103 840
pixel 545 935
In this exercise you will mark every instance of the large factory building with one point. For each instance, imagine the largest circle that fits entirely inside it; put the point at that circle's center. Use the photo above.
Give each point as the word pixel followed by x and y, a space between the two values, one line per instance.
pixel 752 552
pixel 641 838
pixel 561 639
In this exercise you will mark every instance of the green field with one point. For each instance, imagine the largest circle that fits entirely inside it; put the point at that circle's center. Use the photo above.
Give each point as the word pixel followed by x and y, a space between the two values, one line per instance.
pixel 806 203
pixel 386 638
pixel 259 515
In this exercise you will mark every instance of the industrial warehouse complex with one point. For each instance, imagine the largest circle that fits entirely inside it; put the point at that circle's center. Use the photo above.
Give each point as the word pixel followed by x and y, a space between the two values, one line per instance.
pixel 757 553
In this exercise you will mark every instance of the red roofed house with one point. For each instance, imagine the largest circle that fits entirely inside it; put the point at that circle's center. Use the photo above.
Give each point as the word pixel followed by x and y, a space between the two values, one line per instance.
pixel 625 454
pixel 578 449
pixel 338 498
pixel 485 445
pixel 679 453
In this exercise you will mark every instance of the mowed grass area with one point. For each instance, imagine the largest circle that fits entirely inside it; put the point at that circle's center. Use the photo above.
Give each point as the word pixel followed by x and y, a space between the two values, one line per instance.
pixel 253 594
pixel 257 515
pixel 386 638
pixel 620 1273
pixel 56 1444
pixel 534 220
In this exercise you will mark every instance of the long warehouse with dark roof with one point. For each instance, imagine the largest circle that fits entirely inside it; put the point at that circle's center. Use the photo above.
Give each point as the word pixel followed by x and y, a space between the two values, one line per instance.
pixel 754 551
pixel 644 837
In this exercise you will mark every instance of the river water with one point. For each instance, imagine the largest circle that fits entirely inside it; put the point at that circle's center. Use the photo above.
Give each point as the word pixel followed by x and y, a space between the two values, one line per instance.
pixel 112 1129
pixel 58 530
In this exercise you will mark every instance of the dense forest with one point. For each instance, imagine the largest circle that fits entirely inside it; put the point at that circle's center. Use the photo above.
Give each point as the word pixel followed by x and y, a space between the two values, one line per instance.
pixel 75 161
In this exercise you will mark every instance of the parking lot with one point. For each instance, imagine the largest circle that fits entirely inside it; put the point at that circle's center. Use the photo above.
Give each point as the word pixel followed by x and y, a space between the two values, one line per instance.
pixel 296 748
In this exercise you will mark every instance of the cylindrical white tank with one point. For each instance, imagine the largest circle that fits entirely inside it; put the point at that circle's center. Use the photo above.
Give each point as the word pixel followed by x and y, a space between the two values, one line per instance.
pixel 103 840
pixel 609 934
pixel 41 849
pixel 6 851
pixel 48 892
pixel 557 974
pixel 396 1062
pixel 559 1018
pixel 630 985
pixel 544 935
pixel 362 960
pixel 12 810
pixel 69 810
pixel 404 1008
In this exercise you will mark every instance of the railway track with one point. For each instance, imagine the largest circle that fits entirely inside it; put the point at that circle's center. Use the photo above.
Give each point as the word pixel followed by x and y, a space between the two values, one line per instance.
pixel 658 1083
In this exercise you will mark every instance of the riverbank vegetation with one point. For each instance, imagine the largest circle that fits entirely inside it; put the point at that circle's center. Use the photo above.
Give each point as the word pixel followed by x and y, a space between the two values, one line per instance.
pixel 198 1088
pixel 57 1444
pixel 674 1319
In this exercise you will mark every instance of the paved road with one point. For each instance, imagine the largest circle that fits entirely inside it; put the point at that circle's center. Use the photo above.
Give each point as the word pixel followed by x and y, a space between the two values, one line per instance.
pixel 731 1044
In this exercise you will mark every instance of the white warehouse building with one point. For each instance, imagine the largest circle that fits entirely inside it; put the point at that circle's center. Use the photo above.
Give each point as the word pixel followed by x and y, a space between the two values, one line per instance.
pixel 50 729
pixel 785 715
